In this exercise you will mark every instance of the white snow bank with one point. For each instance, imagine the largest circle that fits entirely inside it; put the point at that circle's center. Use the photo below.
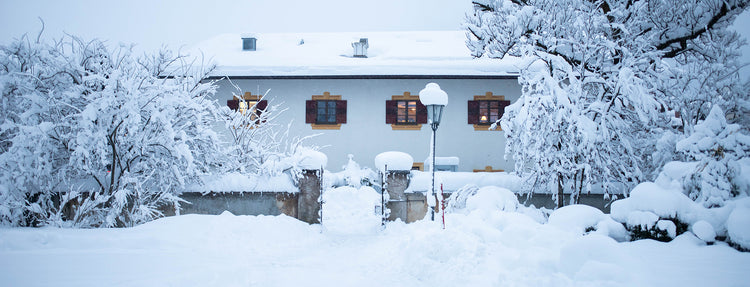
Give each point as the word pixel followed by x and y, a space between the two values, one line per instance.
pixel 738 223
pixel 348 210
pixel 477 249
pixel 393 160
pixel 237 182
pixel 453 181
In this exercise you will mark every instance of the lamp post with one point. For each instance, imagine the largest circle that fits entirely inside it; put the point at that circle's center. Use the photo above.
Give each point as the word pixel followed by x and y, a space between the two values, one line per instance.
pixel 435 100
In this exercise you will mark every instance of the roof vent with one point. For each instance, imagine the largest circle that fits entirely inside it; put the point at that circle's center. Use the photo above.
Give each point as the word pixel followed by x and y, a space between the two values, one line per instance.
pixel 249 42
pixel 360 48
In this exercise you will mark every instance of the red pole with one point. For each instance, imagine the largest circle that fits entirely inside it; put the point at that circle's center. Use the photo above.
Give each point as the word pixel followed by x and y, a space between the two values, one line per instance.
pixel 442 203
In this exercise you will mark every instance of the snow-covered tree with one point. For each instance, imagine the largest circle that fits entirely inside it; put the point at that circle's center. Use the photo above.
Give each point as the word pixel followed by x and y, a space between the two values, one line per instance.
pixel 260 143
pixel 717 147
pixel 122 133
pixel 601 81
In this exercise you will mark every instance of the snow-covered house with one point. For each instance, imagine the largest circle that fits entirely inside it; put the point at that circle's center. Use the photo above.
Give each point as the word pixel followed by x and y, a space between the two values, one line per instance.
pixel 359 91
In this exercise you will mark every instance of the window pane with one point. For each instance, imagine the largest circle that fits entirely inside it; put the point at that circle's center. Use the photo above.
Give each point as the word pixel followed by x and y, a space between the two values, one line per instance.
pixel 412 111
pixel 326 112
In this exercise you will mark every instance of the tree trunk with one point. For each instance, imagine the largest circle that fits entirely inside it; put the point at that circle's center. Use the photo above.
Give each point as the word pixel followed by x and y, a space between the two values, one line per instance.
pixel 560 195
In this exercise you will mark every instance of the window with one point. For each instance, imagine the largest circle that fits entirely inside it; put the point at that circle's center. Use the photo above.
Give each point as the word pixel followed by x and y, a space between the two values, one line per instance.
pixel 486 110
pixel 405 112
pixel 248 102
pixel 325 111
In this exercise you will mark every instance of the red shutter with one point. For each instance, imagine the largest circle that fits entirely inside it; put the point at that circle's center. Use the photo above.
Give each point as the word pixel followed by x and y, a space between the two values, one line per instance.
pixel 421 113
pixel 260 107
pixel 473 112
pixel 391 112
pixel 503 104
pixel 341 112
pixel 233 104
pixel 311 109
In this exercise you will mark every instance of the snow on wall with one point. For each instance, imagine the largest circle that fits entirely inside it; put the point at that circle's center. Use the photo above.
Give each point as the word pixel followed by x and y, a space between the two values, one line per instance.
pixel 237 182
pixel 311 159
pixel 452 181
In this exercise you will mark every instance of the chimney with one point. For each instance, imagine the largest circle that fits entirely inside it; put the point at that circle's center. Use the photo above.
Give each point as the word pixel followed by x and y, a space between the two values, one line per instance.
pixel 360 48
pixel 249 42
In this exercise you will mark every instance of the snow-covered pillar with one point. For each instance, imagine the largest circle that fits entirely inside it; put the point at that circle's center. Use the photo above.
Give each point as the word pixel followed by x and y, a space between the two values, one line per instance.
pixel 310 184
pixel 397 169
pixel 308 206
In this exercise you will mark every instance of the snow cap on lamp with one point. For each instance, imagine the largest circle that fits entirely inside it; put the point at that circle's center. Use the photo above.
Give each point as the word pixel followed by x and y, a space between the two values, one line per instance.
pixel 433 95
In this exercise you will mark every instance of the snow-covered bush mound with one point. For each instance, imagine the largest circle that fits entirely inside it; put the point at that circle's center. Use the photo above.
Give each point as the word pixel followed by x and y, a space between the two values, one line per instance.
pixel 493 198
pixel 393 160
pixel 704 231
pixel 738 224
pixel 352 175
pixel 655 212
pixel 664 203
pixel 584 219
pixel 348 210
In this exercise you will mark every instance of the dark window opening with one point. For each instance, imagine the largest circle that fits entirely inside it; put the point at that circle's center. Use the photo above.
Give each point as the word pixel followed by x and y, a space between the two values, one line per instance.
pixel 326 112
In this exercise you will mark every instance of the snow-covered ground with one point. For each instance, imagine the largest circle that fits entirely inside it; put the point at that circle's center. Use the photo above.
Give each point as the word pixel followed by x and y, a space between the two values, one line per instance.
pixel 483 247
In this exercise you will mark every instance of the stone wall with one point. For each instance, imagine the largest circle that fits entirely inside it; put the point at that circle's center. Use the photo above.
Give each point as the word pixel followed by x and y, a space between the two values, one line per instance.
pixel 240 203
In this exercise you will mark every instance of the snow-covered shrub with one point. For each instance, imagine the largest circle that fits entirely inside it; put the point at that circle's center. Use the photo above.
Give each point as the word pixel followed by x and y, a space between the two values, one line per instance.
pixel 355 176
pixel 127 131
pixel 457 200
pixel 717 147
pixel 661 211
pixel 493 198
pixel 586 219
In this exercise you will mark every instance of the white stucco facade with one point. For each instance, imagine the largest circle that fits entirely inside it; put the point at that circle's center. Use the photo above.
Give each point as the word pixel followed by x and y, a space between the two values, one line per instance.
pixel 366 133
pixel 297 66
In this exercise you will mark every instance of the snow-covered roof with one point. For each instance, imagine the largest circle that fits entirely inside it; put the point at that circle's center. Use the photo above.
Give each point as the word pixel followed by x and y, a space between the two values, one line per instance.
pixel 430 53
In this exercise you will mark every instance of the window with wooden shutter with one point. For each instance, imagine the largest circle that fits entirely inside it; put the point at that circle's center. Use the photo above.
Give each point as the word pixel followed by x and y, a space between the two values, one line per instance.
pixel 485 110
pixel 325 111
pixel 251 103
pixel 405 112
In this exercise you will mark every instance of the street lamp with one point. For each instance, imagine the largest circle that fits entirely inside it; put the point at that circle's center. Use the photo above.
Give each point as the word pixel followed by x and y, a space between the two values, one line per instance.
pixel 435 100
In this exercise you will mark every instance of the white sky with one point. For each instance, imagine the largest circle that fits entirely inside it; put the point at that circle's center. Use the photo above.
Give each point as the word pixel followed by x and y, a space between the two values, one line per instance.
pixel 185 22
